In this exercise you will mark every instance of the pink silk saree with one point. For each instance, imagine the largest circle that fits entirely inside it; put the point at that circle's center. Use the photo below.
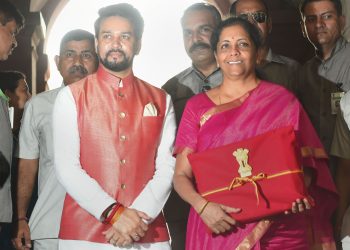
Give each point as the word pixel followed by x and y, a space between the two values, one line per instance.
pixel 265 108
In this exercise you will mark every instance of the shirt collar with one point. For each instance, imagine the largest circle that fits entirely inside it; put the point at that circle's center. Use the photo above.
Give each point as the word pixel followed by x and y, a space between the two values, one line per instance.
pixel 110 79
pixel 201 75
pixel 3 96
pixel 269 56
pixel 339 45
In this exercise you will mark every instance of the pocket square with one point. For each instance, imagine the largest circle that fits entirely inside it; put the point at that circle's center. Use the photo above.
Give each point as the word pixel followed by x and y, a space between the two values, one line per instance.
pixel 150 110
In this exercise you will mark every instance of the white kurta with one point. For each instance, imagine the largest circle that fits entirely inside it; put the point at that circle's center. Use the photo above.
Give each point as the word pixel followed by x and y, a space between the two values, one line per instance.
pixel 86 191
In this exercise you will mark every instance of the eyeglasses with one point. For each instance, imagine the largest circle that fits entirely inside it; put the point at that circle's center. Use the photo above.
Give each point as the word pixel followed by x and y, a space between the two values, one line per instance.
pixel 259 17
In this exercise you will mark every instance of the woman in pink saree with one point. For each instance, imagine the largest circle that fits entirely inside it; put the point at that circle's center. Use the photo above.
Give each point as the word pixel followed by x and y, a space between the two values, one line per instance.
pixel 242 107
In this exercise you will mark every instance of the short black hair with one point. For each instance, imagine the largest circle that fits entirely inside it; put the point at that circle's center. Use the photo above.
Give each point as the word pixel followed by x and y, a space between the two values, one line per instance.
pixel 77 35
pixel 124 10
pixel 234 5
pixel 204 6
pixel 337 4
pixel 250 28
pixel 8 13
pixel 9 80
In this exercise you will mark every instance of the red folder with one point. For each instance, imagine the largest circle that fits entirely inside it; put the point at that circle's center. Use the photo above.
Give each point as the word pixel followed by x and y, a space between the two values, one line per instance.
pixel 261 175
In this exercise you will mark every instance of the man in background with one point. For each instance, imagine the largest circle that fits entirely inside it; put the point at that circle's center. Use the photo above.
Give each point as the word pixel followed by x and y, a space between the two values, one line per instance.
pixel 324 78
pixel 327 74
pixel 198 23
pixel 76 60
pixel 11 22
pixel 271 67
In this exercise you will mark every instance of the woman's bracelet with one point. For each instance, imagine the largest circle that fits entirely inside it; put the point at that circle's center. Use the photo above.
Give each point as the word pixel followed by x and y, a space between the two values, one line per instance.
pixel 203 207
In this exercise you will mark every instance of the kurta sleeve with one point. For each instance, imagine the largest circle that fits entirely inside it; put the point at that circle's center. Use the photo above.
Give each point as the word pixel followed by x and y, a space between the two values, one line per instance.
pixel 153 197
pixel 78 184
pixel 28 135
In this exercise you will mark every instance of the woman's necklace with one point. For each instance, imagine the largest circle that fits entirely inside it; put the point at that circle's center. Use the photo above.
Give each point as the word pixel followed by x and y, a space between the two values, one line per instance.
pixel 242 97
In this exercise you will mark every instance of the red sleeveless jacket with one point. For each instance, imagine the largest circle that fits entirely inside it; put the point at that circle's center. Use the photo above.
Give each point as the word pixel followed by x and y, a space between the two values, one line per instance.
pixel 118 147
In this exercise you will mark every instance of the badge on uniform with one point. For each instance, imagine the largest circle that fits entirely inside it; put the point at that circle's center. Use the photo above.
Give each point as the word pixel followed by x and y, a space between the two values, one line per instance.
pixel 335 99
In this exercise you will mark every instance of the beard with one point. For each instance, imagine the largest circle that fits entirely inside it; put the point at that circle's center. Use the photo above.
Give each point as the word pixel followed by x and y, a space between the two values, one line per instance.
pixel 115 66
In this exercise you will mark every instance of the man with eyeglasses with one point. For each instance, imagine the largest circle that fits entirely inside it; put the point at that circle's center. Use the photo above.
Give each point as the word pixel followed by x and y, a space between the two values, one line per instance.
pixel 11 22
pixel 77 59
pixel 198 22
pixel 272 67
pixel 324 79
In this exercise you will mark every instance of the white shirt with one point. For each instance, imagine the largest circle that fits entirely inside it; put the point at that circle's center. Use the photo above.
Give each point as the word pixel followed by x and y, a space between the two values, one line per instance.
pixel 35 141
pixel 345 107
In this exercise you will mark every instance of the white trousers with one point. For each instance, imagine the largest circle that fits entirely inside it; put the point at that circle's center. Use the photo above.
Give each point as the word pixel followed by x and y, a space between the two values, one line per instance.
pixel 45 244
pixel 86 245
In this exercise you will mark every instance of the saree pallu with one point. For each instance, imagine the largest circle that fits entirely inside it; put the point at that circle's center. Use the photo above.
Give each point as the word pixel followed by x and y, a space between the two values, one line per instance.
pixel 265 108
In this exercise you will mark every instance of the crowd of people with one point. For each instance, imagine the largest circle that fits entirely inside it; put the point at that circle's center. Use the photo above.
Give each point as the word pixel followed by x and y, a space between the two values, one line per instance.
pixel 117 163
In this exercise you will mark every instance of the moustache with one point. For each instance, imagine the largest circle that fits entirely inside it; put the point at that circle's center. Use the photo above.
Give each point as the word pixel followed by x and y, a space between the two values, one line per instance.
pixel 116 50
pixel 78 68
pixel 199 45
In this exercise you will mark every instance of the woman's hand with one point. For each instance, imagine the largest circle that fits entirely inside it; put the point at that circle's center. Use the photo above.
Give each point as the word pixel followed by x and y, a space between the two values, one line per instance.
pixel 214 215
pixel 217 218
pixel 300 205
